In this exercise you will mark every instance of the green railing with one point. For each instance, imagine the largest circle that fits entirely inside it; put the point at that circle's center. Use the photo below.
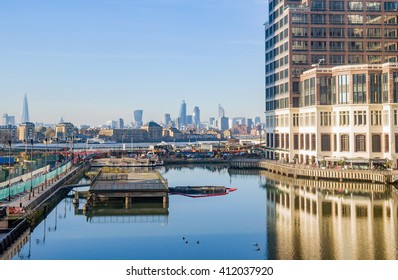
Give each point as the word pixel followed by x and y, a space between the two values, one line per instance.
pixel 36 181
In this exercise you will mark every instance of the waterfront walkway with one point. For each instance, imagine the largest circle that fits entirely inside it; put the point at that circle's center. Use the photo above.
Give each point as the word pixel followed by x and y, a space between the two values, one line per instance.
pixel 27 199
pixel 316 172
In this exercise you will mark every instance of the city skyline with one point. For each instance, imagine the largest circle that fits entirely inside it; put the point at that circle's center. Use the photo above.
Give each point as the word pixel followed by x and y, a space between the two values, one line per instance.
pixel 115 57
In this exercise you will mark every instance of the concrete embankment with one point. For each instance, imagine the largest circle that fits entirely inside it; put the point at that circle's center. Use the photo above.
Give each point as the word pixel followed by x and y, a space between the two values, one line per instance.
pixel 316 173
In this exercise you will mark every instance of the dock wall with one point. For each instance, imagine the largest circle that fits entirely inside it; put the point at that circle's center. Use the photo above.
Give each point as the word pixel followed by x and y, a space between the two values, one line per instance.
pixel 316 173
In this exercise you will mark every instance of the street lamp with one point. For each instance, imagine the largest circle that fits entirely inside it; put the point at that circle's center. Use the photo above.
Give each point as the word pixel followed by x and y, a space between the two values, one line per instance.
pixel 56 154
pixel 45 174
pixel 9 170
pixel 31 193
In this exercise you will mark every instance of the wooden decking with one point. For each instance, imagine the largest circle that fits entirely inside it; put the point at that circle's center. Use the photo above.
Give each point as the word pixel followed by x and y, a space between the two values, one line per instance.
pixel 316 173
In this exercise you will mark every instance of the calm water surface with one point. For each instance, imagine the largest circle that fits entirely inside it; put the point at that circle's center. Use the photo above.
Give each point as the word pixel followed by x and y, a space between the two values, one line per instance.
pixel 289 219
pixel 225 226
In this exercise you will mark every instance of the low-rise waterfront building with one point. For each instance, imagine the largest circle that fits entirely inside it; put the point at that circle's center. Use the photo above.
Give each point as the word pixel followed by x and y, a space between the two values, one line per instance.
pixel 8 132
pixel 154 131
pixel 346 114
pixel 26 131
pixel 64 131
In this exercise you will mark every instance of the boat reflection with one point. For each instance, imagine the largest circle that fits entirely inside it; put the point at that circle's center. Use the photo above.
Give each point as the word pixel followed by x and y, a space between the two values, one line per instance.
pixel 310 219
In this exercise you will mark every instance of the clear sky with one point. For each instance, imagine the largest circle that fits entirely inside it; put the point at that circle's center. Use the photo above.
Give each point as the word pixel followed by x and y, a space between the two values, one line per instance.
pixel 90 61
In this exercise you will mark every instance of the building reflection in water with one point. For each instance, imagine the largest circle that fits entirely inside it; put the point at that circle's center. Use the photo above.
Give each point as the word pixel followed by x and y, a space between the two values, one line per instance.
pixel 310 219
pixel 117 212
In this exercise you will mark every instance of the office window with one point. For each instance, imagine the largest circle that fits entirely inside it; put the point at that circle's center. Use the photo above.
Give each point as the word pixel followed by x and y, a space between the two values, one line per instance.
pixel 376 143
pixel 325 94
pixel 317 5
pixel 374 33
pixel 336 5
pixel 313 142
pixel 287 140
pixel 299 32
pixel 296 120
pixel 325 142
pixel 373 19
pixel 344 143
pixel 360 143
pixel 359 117
pixel 373 6
pixel 307 141
pixel 386 143
pixel 295 141
pixel 344 118
pixel 299 18
pixel 355 59
pixel 385 87
pixel 343 88
pixel 337 59
pixel 374 59
pixel 336 19
pixel 300 59
pixel 375 88
pixel 355 19
pixel 326 119
pixel 337 46
pixel 299 45
pixel 390 32
pixel 355 46
pixel 335 142
pixel 355 6
pixel 318 32
pixel 390 19
pixel 374 46
pixel 357 32
pixel 391 6
pixel 359 88
pixel 336 32
pixel 375 118
pixel 318 19
pixel 301 141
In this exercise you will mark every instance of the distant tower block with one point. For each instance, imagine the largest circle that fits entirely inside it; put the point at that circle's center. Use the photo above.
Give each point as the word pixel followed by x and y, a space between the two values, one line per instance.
pixel 183 115
pixel 25 110
pixel 138 118
pixel 196 117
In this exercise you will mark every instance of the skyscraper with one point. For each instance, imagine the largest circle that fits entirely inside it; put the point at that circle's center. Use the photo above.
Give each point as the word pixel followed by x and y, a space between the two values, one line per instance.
pixel 314 34
pixel 221 112
pixel 138 118
pixel 166 120
pixel 183 115
pixel 196 117
pixel 25 110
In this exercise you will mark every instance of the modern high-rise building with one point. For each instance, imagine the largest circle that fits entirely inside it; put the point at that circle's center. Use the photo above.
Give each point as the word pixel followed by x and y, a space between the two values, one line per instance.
pixel 138 118
pixel 25 110
pixel 166 120
pixel 196 117
pixel 221 112
pixel 8 120
pixel 121 123
pixel 182 117
pixel 304 34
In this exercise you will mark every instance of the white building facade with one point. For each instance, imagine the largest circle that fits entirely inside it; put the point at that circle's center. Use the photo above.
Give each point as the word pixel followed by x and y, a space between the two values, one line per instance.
pixel 347 114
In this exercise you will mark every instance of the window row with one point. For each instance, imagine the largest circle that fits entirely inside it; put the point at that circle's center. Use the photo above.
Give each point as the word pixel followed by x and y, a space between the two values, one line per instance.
pixel 334 142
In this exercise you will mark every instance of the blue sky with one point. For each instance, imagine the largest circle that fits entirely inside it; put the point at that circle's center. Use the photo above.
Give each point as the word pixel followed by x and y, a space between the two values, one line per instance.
pixel 90 61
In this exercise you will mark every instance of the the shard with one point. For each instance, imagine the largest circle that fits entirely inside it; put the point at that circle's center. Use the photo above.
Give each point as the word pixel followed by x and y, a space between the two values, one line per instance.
pixel 25 110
